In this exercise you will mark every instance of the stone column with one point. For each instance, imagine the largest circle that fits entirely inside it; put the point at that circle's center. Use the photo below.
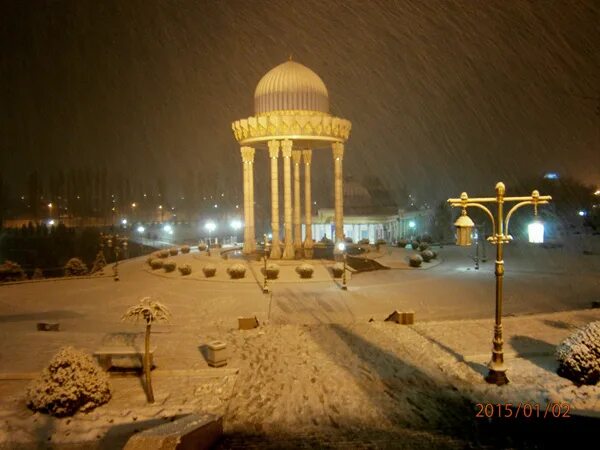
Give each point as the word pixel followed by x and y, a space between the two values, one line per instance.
pixel 338 157
pixel 248 162
pixel 308 241
pixel 286 152
pixel 297 158
pixel 274 155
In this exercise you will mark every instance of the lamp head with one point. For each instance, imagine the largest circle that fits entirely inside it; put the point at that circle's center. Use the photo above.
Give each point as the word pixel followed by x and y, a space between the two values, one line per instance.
pixel 536 231
pixel 464 227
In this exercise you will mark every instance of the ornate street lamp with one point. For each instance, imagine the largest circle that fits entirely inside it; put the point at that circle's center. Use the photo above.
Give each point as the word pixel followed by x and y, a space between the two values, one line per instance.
pixel 497 369
pixel 117 244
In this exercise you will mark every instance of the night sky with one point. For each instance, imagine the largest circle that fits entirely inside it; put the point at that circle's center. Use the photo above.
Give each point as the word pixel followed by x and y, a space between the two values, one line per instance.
pixel 443 96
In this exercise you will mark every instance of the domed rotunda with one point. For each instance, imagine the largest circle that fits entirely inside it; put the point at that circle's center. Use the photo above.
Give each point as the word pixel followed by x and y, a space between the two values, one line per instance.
pixel 291 107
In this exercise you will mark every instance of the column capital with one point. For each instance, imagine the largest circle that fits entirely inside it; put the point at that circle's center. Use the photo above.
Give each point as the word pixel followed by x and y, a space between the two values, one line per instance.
pixel 286 148
pixel 338 150
pixel 273 149
pixel 247 154
pixel 307 156
pixel 296 156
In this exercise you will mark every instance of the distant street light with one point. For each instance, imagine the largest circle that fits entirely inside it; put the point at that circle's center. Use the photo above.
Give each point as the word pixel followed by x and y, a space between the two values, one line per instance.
pixel 236 225
pixel 497 369
pixel 140 229
pixel 210 226
pixel 342 249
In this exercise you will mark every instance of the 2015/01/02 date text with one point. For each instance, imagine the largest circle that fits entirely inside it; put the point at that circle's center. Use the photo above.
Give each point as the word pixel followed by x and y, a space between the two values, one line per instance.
pixel 523 409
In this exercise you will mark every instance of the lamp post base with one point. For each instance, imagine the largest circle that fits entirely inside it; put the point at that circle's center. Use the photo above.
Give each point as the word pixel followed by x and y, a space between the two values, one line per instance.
pixel 497 377
pixel 344 287
pixel 266 290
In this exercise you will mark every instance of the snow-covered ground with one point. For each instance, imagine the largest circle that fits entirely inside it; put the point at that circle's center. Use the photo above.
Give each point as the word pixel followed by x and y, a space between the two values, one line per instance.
pixel 316 365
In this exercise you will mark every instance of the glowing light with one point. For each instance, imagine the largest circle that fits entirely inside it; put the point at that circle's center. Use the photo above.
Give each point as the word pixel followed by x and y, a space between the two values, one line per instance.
pixel 50 205
pixel 124 221
pixel 536 232
pixel 582 213
pixel 236 224
pixel 216 206
pixel 51 222
pixel 159 206
pixel 551 176
pixel 168 229
pixel 210 226
pixel 140 229
pixel 341 246
pixel 412 224
pixel 133 205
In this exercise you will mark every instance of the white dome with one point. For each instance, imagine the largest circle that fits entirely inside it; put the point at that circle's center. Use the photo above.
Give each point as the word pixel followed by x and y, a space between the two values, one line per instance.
pixel 291 86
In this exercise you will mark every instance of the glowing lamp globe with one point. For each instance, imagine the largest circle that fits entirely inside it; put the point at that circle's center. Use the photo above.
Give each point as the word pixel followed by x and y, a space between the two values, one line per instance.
pixel 464 228
pixel 536 232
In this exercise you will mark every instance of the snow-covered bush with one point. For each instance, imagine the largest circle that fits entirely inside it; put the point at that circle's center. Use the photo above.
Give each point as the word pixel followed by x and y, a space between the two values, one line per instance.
pixel 427 255
pixel 163 254
pixel 414 245
pixel 173 251
pixel 427 238
pixel 75 267
pixel 338 270
pixel 11 271
pixel 156 263
pixel 209 270
pixel 185 249
pixel 434 253
pixel 364 241
pixel 579 355
pixel 402 243
pixel 72 382
pixel 169 265
pixel 415 260
pixel 348 240
pixel 272 271
pixel 99 262
pixel 185 269
pixel 236 271
pixel 423 246
pixel 202 246
pixel 305 270
pixel 38 274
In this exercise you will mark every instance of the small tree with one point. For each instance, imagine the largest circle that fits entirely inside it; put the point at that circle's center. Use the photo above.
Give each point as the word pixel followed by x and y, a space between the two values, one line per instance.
pixel 148 310
pixel 99 262
pixel 75 267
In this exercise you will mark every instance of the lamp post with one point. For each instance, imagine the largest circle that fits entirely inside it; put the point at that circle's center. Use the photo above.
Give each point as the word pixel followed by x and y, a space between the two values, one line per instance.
pixel 497 369
pixel 210 226
pixel 265 259
pixel 116 243
pixel 342 249
pixel 236 225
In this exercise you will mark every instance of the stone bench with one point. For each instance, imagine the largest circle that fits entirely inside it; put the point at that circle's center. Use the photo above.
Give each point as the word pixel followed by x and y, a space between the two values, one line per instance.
pixel 105 355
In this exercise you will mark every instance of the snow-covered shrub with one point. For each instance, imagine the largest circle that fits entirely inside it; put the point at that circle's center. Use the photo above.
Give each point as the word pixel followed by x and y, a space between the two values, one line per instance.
pixel 38 274
pixel 185 269
pixel 173 251
pixel 202 246
pixel 163 254
pixel 72 382
pixel 427 255
pixel 364 241
pixel 579 355
pixel 338 270
pixel 236 271
pixel 169 265
pixel 427 238
pixel 75 267
pixel 99 262
pixel 423 246
pixel 305 270
pixel 414 245
pixel 11 271
pixel 402 243
pixel 434 253
pixel 272 271
pixel 415 260
pixel 348 240
pixel 185 249
pixel 209 270
pixel 156 263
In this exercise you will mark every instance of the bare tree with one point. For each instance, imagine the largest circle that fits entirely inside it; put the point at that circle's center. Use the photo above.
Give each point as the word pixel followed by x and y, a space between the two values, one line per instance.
pixel 148 310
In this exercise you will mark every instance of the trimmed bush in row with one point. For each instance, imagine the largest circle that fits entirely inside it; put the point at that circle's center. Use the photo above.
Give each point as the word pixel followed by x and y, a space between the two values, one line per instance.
pixel 305 270
pixel 169 265
pixel 185 269
pixel 415 260
pixel 185 249
pixel 236 271
pixel 209 270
